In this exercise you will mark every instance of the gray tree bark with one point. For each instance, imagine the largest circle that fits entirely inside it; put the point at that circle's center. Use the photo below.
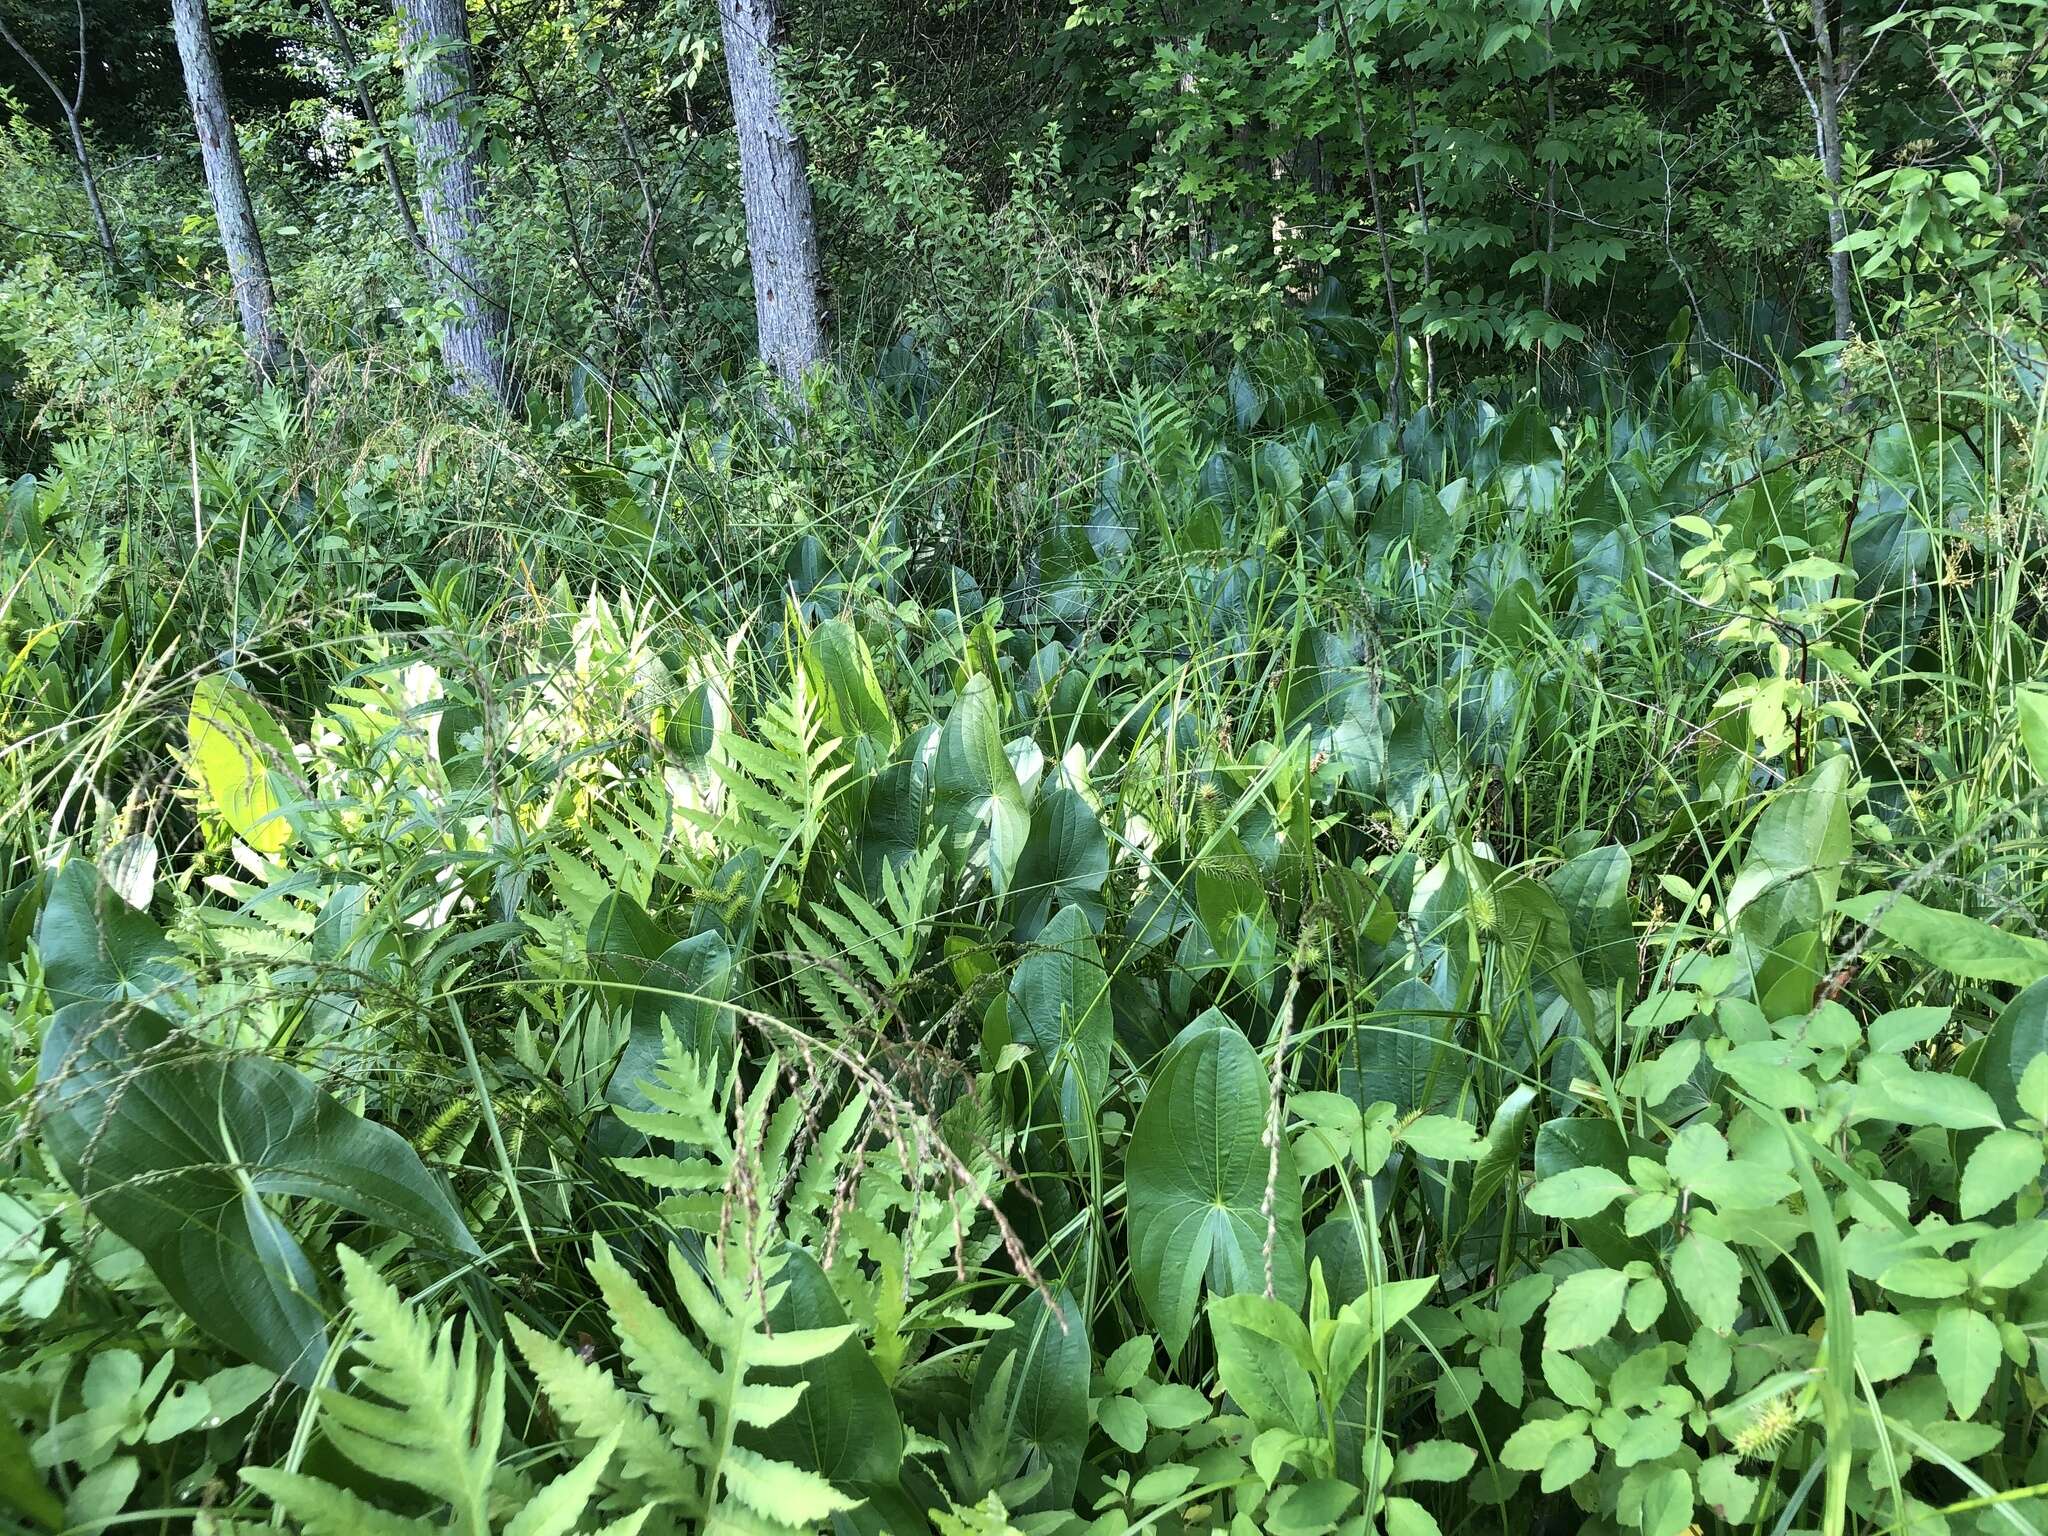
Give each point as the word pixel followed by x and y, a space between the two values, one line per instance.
pixel 1824 90
pixel 71 106
pixel 1830 94
pixel 228 187
pixel 782 230
pixel 439 86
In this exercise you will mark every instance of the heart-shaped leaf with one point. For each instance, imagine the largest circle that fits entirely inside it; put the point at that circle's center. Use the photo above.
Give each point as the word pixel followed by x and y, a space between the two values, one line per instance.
pixel 1197 1176
pixel 178 1147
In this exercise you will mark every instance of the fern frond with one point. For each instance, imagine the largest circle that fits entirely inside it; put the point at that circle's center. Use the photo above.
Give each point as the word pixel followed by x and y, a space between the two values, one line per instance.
pixel 797 1499
pixel 676 1378
pixel 738 1520
pixel 435 1431
pixel 838 1002
pixel 867 946
pixel 688 1095
pixel 988 1518
pixel 783 778
pixel 557 1508
pixel 870 940
pixel 624 840
pixel 591 1405
pixel 321 1509
pixel 702 1406
pixel 630 850
pixel 431 1414
pixel 807 1210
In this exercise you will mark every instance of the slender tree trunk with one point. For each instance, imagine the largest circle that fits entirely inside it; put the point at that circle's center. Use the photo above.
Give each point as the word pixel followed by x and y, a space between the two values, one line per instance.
pixel 228 187
pixel 650 255
pixel 1396 394
pixel 782 231
pixel 1397 403
pixel 71 106
pixel 1422 243
pixel 92 187
pixel 558 162
pixel 1823 93
pixel 1201 229
pixel 1550 181
pixel 345 46
pixel 1829 92
pixel 439 86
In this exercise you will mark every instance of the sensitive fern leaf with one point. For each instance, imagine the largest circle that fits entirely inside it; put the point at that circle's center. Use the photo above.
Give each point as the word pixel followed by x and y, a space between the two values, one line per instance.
pixel 690 1100
pixel 439 1433
pixel 431 1414
pixel 781 784
pixel 867 946
pixel 703 1405
pixel 591 1406
pixel 321 1509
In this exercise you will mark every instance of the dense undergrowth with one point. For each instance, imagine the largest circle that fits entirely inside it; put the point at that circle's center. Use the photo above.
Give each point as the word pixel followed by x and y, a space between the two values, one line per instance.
pixel 1190 959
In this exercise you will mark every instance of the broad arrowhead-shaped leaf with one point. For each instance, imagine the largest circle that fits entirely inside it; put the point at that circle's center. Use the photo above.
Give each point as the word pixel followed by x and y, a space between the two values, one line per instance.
pixel 1045 1394
pixel 975 789
pixel 234 750
pixel 178 1145
pixel 683 989
pixel 845 1426
pixel 94 946
pixel 1059 1006
pixel 1196 1177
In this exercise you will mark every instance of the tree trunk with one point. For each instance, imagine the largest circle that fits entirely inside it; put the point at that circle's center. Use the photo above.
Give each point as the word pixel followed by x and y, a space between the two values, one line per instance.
pixel 1397 392
pixel 71 106
pixel 782 231
pixel 439 85
pixel 92 188
pixel 1828 89
pixel 1422 245
pixel 1550 180
pixel 227 186
pixel 1823 93
pixel 1396 395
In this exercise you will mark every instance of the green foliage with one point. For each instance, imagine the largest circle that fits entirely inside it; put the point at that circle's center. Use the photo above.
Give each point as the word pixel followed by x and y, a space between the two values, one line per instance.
pixel 1151 910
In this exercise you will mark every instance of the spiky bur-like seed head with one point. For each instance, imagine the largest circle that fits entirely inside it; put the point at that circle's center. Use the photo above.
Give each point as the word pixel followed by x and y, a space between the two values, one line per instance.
pixel 1766 1429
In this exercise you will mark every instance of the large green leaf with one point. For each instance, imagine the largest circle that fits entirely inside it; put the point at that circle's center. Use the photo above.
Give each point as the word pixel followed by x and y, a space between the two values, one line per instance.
pixel 845 1426
pixel 1196 1179
pixel 178 1146
pixel 1593 890
pixel 681 989
pixel 1066 858
pixel 1059 1006
pixel 855 711
pixel 1263 1356
pixel 237 753
pixel 2018 1036
pixel 1953 941
pixel 975 792
pixel 623 942
pixel 1531 467
pixel 1787 884
pixel 1794 863
pixel 1045 1392
pixel 1339 702
pixel 95 946
pixel 1402 1053
pixel 1587 1141
pixel 899 807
